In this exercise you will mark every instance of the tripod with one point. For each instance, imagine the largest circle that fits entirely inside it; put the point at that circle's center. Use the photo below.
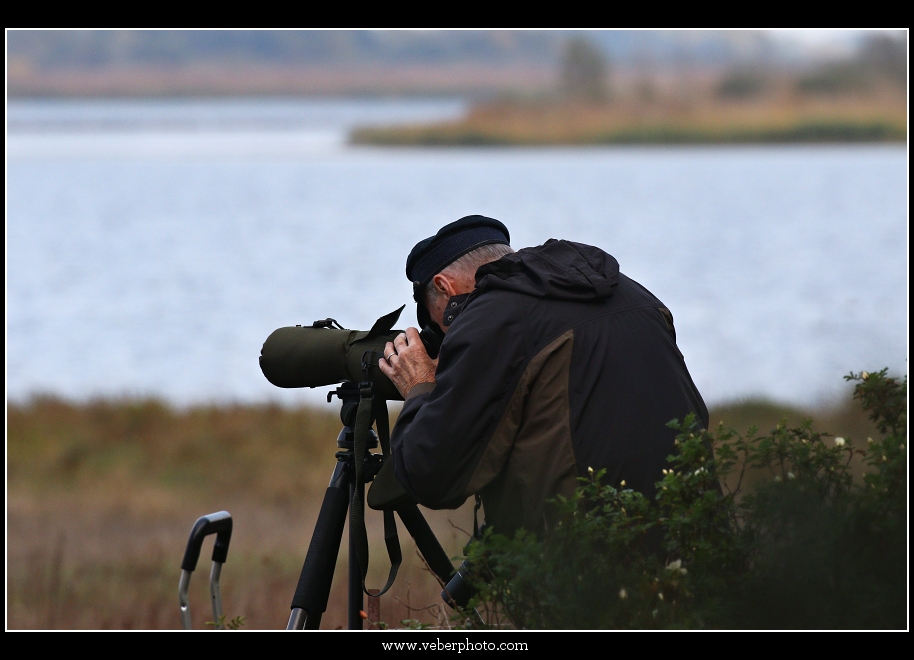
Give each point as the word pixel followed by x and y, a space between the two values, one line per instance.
pixel 346 494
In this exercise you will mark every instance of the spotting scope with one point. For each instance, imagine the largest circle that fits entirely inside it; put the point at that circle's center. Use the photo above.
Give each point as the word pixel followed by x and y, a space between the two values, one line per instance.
pixel 325 353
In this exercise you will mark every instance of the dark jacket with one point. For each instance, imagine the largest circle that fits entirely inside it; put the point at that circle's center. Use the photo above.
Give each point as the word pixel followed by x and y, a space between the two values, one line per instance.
pixel 556 363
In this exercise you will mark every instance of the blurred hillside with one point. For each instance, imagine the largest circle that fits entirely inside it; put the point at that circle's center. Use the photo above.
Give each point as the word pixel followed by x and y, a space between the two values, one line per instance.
pixel 346 62
pixel 233 62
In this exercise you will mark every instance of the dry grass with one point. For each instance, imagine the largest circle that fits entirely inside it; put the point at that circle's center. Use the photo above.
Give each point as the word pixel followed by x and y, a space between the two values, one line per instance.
pixel 678 119
pixel 101 497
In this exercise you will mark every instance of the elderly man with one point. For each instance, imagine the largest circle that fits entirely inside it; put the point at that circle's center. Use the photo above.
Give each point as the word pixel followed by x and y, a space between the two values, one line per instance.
pixel 552 362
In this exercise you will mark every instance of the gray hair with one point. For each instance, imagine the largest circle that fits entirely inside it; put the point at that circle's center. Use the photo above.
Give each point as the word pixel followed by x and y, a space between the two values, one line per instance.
pixel 465 268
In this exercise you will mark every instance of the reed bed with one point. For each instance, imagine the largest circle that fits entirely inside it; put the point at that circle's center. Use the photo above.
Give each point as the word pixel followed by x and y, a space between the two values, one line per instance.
pixel 676 121
pixel 102 495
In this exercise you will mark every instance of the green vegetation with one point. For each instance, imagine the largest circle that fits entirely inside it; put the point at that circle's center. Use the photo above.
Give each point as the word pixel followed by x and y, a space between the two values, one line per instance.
pixel 235 623
pixel 768 531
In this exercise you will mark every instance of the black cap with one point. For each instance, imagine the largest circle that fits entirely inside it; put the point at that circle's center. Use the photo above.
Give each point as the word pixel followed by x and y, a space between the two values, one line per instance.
pixel 432 255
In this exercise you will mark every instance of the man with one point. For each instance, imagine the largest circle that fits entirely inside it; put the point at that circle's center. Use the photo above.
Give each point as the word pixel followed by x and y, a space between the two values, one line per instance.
pixel 552 362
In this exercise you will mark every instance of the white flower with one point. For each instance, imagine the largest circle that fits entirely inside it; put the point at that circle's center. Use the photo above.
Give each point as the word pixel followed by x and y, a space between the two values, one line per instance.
pixel 839 442
pixel 676 566
pixel 791 475
pixel 869 440
pixel 623 594
pixel 777 478
pixel 622 483
pixel 590 470
pixel 864 375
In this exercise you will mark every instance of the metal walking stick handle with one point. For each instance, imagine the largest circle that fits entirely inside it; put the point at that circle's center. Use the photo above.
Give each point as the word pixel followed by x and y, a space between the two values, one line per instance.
pixel 220 524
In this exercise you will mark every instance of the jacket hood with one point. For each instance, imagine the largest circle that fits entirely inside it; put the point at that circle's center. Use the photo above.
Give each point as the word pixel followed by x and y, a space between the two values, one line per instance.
pixel 557 270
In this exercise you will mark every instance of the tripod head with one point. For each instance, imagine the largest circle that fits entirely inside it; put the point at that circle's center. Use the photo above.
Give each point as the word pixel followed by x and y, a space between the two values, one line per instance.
pixel 349 395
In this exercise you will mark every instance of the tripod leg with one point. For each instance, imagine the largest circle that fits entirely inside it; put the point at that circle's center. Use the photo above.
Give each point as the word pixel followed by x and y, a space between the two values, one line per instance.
pixel 428 545
pixel 356 600
pixel 310 600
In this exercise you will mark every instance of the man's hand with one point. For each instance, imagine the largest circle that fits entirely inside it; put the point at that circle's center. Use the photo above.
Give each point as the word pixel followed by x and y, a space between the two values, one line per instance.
pixel 406 363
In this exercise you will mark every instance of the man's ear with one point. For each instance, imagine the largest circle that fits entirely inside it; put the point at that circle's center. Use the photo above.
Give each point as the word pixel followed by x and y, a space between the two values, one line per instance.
pixel 442 284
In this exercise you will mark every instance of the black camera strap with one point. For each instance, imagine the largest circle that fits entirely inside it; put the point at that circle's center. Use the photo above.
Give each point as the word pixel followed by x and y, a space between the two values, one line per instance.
pixel 391 540
pixel 371 407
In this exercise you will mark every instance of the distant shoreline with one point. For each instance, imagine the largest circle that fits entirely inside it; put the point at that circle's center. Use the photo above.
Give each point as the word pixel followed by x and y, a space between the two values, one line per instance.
pixel 557 124
pixel 215 81
pixel 812 133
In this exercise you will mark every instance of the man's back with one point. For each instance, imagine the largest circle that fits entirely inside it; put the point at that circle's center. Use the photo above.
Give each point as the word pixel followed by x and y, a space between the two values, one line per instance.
pixel 557 362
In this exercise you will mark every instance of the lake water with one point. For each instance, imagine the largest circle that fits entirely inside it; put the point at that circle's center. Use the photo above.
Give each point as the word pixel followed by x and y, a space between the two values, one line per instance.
pixel 153 246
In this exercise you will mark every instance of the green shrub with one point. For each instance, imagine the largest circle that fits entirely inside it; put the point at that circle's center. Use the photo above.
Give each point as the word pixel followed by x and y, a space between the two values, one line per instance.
pixel 747 531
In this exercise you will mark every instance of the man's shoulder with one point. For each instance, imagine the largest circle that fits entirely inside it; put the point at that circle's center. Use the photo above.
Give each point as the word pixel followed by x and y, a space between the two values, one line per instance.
pixel 490 307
